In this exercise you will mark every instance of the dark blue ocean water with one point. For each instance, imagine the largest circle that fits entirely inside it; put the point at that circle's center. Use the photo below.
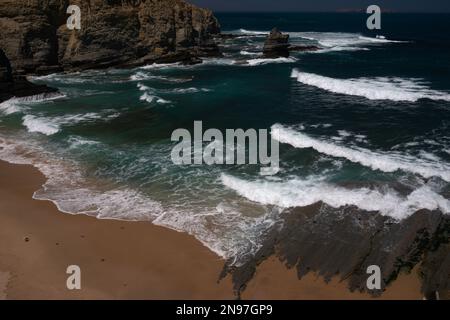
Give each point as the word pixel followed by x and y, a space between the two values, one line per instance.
pixel 364 121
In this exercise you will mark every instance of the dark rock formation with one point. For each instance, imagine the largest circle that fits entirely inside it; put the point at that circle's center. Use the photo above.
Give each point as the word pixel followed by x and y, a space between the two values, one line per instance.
pixel 34 35
pixel 276 45
pixel 17 86
pixel 345 242
pixel 5 68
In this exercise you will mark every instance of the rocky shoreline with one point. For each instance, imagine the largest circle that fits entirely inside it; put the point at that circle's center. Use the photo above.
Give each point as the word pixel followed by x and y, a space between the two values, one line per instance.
pixel 125 33
pixel 18 86
pixel 34 39
pixel 344 242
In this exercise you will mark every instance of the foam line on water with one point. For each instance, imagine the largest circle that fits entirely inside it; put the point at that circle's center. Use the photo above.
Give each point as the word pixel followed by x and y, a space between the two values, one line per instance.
pixel 376 160
pixel 379 88
pixel 301 193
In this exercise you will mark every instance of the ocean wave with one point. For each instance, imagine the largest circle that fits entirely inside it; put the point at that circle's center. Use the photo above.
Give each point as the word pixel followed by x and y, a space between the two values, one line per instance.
pixel 377 160
pixel 248 53
pixel 341 39
pixel 68 189
pixel 149 93
pixel 216 62
pixel 250 32
pixel 187 90
pixel 301 193
pixel 16 104
pixel 161 66
pixel 380 88
pixel 52 125
pixel 149 96
pixel 67 186
pixel 66 78
pixel 77 141
pixel 142 76
pixel 261 61
pixel 340 48
pixel 41 125
pixel 326 39
pixel 380 39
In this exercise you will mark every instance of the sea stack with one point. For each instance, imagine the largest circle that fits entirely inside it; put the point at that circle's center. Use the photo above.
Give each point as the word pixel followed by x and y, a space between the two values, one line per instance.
pixel 37 40
pixel 276 45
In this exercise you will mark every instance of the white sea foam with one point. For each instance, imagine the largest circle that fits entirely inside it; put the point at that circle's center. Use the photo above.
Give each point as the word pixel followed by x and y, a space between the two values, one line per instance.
pixel 248 53
pixel 141 76
pixel 148 95
pixel 41 125
pixel 138 76
pixel 261 61
pixel 341 40
pixel 16 104
pixel 188 90
pixel 77 141
pixel 339 48
pixel 300 193
pixel 238 237
pixel 52 125
pixel 10 106
pixel 67 78
pixel 344 133
pixel 217 62
pixel 160 66
pixel 377 160
pixel 381 88
pixel 250 32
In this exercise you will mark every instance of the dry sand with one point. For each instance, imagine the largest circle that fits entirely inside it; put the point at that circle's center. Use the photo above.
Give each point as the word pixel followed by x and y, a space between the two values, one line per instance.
pixel 127 260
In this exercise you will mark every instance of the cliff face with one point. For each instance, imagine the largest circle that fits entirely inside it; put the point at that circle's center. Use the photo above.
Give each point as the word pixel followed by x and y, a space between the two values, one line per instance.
pixel 34 35
pixel 17 86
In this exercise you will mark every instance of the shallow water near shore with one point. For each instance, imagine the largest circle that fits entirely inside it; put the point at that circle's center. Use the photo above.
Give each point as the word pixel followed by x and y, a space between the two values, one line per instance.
pixel 362 122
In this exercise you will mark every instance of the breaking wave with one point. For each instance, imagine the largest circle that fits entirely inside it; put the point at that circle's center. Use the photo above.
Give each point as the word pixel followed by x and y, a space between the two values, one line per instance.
pixel 16 104
pixel 301 193
pixel 380 88
pixel 257 62
pixel 52 125
pixel 376 160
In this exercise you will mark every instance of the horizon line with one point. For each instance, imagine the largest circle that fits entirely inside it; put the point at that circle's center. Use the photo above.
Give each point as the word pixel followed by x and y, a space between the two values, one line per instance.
pixel 335 11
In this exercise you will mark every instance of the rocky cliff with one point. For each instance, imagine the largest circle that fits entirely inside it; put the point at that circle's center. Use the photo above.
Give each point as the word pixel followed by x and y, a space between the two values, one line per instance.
pixel 35 37
pixel 17 86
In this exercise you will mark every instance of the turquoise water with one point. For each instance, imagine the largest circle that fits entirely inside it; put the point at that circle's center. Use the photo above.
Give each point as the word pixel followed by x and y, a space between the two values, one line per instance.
pixel 364 121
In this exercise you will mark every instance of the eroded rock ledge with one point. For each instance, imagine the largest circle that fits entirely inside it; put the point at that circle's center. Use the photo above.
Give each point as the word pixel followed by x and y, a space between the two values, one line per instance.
pixel 34 35
pixel 344 242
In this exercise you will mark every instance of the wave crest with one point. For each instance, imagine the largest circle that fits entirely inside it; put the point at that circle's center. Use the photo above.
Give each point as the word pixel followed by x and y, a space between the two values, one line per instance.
pixel 386 162
pixel 381 88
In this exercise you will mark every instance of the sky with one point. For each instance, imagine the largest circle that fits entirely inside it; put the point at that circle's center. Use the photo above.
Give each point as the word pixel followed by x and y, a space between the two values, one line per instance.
pixel 324 5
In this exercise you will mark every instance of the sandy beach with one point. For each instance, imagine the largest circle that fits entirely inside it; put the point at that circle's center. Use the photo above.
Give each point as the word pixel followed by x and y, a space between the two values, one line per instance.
pixel 129 260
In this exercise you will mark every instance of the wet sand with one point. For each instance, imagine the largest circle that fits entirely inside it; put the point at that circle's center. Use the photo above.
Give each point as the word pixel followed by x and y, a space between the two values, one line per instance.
pixel 274 281
pixel 128 260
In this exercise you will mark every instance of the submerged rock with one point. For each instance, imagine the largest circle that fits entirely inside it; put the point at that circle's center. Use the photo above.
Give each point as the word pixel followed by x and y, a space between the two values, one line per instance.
pixel 34 35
